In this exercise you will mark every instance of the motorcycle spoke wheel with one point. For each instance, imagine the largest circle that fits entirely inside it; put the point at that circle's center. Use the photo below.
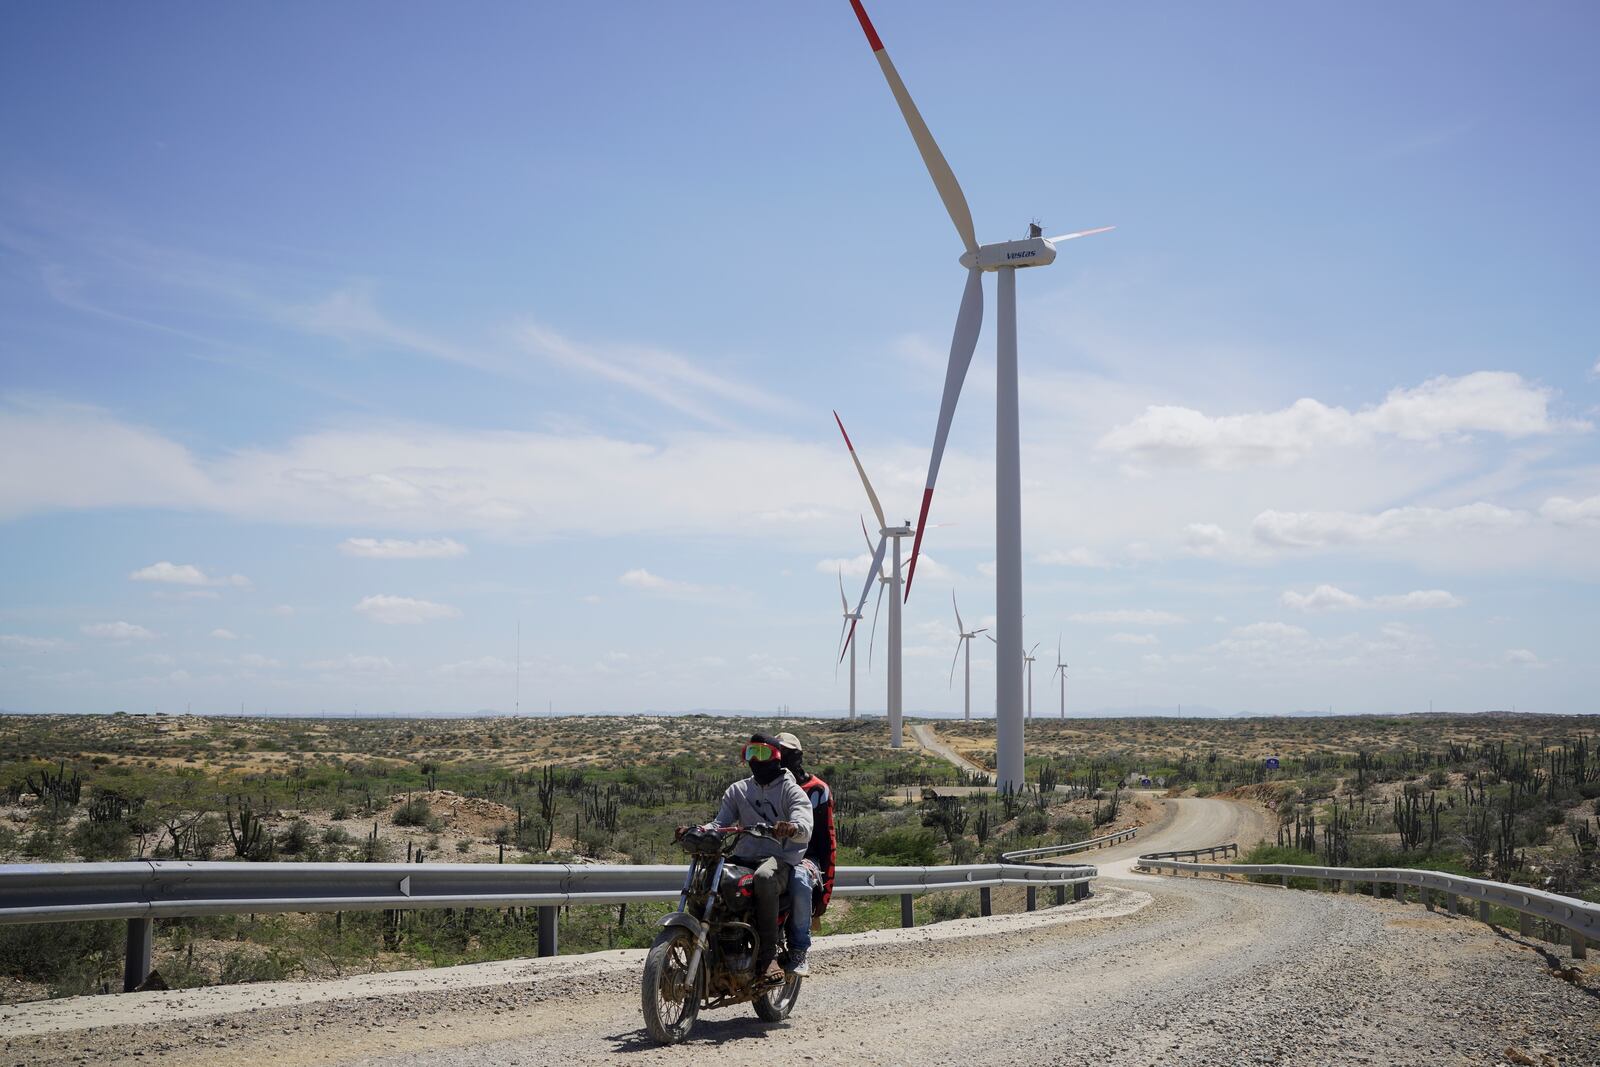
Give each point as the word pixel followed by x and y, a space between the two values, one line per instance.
pixel 671 1001
pixel 775 1005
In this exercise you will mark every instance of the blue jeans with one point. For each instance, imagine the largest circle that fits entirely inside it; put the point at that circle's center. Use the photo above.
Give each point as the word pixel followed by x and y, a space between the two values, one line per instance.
pixel 799 928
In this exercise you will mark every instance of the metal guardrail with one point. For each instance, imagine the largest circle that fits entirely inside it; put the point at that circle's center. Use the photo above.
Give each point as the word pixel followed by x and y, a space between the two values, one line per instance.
pixel 149 889
pixel 1229 849
pixel 1077 846
pixel 1579 918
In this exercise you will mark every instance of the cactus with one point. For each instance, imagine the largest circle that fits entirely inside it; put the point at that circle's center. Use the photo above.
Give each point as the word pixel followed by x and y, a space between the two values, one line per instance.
pixel 57 788
pixel 247 833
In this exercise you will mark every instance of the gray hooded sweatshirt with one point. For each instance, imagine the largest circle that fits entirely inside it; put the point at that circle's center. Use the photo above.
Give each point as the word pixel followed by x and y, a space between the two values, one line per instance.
pixel 748 803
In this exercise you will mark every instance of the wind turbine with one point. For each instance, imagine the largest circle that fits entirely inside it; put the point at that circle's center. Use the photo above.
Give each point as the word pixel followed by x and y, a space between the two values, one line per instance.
pixel 1004 258
pixel 886 533
pixel 849 618
pixel 963 644
pixel 1027 662
pixel 1061 669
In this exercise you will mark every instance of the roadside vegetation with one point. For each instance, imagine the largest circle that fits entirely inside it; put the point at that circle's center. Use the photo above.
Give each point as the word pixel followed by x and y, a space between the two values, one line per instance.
pixel 1509 797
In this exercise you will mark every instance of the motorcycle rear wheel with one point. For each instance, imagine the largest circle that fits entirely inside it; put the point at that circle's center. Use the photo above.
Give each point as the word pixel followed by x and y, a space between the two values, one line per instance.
pixel 775 1005
pixel 671 1001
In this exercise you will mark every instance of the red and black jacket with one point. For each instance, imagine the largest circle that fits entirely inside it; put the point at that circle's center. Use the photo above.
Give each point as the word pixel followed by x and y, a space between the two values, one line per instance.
pixel 821 849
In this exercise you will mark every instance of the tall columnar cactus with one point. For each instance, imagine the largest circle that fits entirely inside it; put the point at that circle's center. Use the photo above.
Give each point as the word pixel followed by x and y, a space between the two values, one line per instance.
pixel 246 833
pixel 57 788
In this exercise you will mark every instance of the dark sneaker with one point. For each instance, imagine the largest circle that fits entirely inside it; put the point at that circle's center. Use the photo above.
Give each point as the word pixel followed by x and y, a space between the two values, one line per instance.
pixel 797 964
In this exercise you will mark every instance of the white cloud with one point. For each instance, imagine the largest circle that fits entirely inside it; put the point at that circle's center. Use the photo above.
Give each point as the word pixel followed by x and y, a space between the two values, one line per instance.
pixel 987 569
pixel 1332 598
pixel 186 574
pixel 388 548
pixel 118 631
pixel 1075 557
pixel 1134 639
pixel 24 643
pixel 639 578
pixel 256 661
pixel 482 667
pixel 1443 408
pixel 284 611
pixel 1324 529
pixel 1418 600
pixel 352 664
pixel 1524 657
pixel 1128 617
pixel 224 635
pixel 853 567
pixel 403 610
pixel 1565 511
pixel 1204 539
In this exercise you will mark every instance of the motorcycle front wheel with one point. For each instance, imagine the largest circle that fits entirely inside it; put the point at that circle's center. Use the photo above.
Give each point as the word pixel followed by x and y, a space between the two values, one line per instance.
pixel 671 1000
pixel 775 1005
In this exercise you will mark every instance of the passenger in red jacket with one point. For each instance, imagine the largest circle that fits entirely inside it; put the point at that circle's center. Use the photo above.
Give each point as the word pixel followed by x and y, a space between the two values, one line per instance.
pixel 816 871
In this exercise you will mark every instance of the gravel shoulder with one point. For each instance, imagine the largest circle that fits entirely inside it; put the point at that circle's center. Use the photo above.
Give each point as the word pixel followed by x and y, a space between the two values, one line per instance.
pixel 1150 970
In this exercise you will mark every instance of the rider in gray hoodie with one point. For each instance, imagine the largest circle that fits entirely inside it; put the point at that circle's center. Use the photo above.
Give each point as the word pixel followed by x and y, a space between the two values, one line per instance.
pixel 771 796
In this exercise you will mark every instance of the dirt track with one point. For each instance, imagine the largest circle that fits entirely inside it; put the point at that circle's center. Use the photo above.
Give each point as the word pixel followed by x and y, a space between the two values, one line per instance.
pixel 1151 970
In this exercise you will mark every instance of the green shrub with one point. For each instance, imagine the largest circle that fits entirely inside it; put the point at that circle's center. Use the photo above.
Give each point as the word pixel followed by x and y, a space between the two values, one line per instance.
pixel 943 907
pixel 416 812
pixel 904 846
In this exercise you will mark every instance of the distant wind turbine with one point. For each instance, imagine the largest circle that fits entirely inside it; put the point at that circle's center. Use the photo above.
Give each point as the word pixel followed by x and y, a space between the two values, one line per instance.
pixel 886 533
pixel 1061 669
pixel 1027 662
pixel 850 617
pixel 964 644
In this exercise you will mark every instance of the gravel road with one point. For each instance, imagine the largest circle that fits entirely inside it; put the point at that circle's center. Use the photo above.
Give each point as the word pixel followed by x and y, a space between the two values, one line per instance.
pixel 1150 971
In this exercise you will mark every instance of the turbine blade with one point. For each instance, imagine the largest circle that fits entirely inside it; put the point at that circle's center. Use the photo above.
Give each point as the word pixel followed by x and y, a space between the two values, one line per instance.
pixel 1080 233
pixel 992 641
pixel 981 630
pixel 969 321
pixel 866 535
pixel 842 628
pixel 944 179
pixel 872 573
pixel 843 603
pixel 953 663
pixel 959 628
pixel 877 508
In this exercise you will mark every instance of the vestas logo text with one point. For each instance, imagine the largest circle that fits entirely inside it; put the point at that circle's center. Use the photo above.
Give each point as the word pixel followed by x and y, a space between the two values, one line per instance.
pixel 1021 255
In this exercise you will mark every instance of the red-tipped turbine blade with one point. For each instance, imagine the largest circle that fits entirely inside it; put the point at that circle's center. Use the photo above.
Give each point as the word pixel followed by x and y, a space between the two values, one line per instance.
pixel 963 342
pixel 846 647
pixel 944 179
pixel 877 508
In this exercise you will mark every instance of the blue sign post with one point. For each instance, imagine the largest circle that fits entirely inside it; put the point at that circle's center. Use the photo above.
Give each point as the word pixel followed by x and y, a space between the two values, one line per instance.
pixel 1272 763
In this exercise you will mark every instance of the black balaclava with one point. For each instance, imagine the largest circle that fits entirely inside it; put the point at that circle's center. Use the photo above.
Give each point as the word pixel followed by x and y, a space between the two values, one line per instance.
pixel 767 772
pixel 791 763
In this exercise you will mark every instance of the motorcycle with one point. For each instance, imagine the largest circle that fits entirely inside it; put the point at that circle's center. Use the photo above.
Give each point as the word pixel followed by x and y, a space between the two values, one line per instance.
pixel 705 956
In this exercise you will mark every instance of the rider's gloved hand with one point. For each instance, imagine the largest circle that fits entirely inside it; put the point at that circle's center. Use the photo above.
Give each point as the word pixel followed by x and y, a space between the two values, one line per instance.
pixel 785 830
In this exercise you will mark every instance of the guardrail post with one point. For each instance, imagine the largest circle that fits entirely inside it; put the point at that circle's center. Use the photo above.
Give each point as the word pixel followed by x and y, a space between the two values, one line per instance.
pixel 1061 895
pixel 141 949
pixel 1580 946
pixel 1524 924
pixel 907 914
pixel 1461 906
pixel 1483 911
pixel 1080 891
pixel 1033 897
pixel 985 902
pixel 1425 897
pixel 1450 904
pixel 548 914
pixel 1285 881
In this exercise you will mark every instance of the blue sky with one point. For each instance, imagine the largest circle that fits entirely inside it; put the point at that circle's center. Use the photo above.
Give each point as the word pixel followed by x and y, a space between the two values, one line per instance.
pixel 335 341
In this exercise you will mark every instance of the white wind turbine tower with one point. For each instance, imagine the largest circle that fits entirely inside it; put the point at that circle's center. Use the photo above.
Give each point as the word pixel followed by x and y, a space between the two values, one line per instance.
pixel 1004 258
pixel 963 644
pixel 1027 662
pixel 886 533
pixel 850 617
pixel 1061 669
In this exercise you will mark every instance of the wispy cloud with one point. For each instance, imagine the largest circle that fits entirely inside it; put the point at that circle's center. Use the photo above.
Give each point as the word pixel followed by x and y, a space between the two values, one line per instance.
pixel 24 643
pixel 388 548
pixel 639 578
pixel 118 631
pixel 403 610
pixel 1496 402
pixel 186 574
pixel 1332 598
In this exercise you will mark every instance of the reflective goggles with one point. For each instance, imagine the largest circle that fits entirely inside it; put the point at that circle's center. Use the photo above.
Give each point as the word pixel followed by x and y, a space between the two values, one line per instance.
pixel 757 752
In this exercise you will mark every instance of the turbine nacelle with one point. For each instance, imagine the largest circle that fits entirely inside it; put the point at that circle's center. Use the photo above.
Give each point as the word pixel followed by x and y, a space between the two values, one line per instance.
pixel 1028 252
